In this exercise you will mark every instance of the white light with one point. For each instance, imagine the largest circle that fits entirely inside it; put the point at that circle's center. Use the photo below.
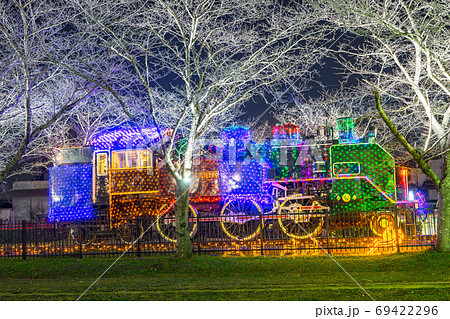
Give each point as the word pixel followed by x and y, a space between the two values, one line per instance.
pixel 411 195
pixel 237 177
pixel 232 184
pixel 187 179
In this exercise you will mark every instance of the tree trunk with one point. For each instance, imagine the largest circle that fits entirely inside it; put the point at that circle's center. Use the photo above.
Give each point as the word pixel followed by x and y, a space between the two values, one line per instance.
pixel 443 243
pixel 184 246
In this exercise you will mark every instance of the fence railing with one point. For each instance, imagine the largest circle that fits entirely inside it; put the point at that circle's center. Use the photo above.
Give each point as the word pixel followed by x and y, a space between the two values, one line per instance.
pixel 393 230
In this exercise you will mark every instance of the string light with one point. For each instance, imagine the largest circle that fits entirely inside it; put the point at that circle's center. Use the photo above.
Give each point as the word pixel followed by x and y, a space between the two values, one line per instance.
pixel 287 131
pixel 121 139
pixel 359 175
pixel 70 193
pixel 345 129
pixel 370 162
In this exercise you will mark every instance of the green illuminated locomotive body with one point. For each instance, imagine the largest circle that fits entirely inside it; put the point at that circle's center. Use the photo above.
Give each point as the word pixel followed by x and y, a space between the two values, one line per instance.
pixel 363 177
pixel 348 180
pixel 346 173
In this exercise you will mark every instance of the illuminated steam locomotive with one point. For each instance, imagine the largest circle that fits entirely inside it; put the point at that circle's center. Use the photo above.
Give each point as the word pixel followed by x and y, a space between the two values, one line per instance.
pixel 292 182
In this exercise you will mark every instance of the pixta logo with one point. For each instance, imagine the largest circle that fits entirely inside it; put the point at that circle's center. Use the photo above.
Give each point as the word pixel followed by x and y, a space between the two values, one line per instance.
pixel 337 311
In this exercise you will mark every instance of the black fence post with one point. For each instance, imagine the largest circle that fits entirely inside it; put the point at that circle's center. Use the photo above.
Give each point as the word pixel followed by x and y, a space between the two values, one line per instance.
pixel 138 231
pixel 199 234
pixel 24 240
pixel 80 241
pixel 396 228
pixel 261 236
pixel 327 230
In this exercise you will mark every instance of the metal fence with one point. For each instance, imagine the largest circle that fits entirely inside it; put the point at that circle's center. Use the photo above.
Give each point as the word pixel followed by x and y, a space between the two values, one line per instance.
pixel 397 229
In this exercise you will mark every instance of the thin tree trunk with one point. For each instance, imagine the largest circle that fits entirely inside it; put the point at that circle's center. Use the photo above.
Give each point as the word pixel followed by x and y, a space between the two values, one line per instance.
pixel 184 246
pixel 443 241
pixel 443 186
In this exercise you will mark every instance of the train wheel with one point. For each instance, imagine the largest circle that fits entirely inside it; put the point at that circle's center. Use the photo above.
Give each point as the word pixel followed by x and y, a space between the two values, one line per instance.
pixel 166 223
pixel 298 223
pixel 240 219
pixel 380 222
pixel 98 240
pixel 81 235
pixel 129 232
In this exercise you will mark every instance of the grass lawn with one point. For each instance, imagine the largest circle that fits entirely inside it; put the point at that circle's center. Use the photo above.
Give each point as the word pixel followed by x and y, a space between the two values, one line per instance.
pixel 413 276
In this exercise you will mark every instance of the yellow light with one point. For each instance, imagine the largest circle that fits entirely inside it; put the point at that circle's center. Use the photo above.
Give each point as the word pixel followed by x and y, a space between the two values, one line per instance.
pixel 224 228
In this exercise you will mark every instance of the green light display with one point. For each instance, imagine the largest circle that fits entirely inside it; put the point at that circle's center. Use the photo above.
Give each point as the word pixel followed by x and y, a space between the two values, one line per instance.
pixel 345 129
pixel 352 192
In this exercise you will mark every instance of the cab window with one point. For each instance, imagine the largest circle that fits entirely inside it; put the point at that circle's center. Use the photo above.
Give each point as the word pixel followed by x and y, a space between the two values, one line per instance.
pixel 132 159
pixel 119 160
pixel 102 164
pixel 346 169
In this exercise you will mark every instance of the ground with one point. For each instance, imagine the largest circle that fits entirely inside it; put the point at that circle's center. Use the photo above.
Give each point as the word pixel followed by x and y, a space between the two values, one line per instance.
pixel 413 276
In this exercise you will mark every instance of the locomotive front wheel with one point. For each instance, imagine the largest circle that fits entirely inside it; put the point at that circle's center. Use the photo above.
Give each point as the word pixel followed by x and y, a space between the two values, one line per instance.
pixel 81 235
pixel 129 232
pixel 167 227
pixel 298 223
pixel 380 222
pixel 240 219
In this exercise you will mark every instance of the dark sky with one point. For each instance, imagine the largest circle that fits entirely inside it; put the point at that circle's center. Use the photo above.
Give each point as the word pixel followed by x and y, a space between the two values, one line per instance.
pixel 328 77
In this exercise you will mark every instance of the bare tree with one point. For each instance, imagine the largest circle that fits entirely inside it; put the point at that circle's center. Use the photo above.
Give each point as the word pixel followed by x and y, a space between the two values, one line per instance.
pixel 77 127
pixel 196 62
pixel 316 113
pixel 404 55
pixel 34 94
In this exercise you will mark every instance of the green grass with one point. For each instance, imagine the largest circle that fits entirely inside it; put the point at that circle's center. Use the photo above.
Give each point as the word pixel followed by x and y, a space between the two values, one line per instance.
pixel 418 276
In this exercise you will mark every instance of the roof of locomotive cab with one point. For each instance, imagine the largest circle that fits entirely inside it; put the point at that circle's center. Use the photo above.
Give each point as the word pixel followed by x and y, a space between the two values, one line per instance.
pixel 128 138
pixel 362 145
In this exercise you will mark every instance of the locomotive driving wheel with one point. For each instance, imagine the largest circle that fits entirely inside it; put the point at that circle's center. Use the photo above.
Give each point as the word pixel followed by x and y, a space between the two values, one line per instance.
pixel 166 222
pixel 129 232
pixel 80 234
pixel 240 219
pixel 301 217
pixel 380 222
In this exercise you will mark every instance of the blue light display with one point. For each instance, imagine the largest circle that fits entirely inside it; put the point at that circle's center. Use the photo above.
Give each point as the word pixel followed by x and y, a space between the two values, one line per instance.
pixel 70 193
pixel 240 175
pixel 236 133
pixel 121 139
pixel 242 178
pixel 236 141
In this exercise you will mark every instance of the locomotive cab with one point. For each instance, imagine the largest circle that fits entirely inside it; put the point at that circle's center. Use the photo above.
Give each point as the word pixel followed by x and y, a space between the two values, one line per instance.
pixel 125 174
pixel 364 177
